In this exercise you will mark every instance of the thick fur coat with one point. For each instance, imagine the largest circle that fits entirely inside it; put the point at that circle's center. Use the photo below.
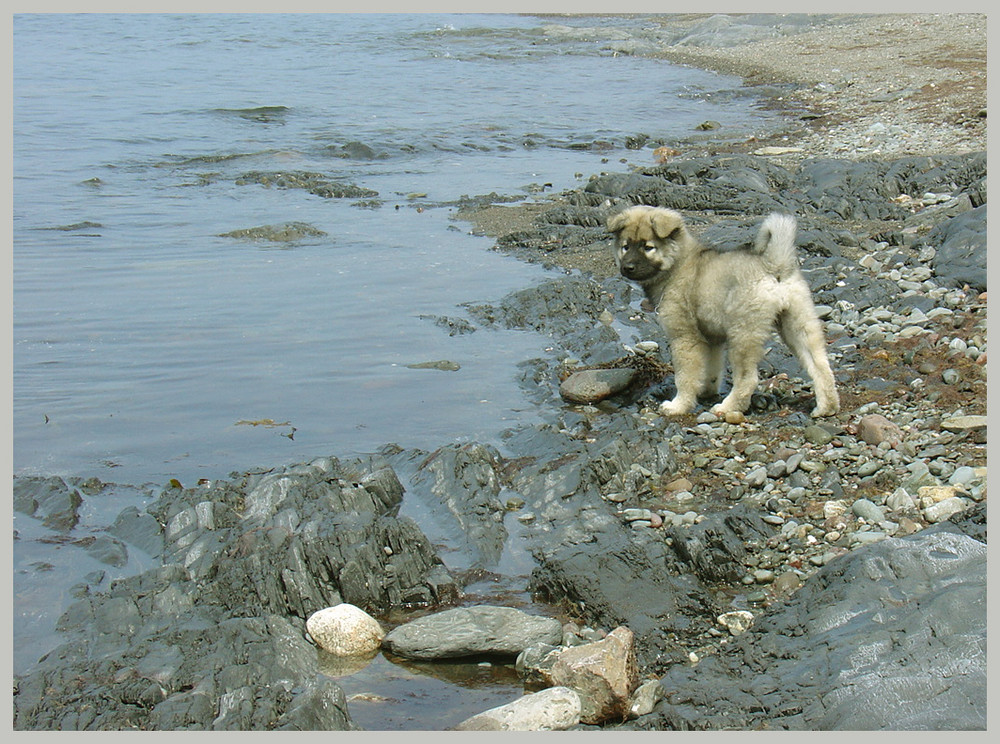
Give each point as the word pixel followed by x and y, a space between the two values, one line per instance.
pixel 710 302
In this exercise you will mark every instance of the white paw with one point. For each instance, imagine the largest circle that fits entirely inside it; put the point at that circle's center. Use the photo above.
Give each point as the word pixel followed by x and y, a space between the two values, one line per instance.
pixel 726 406
pixel 819 412
pixel 673 408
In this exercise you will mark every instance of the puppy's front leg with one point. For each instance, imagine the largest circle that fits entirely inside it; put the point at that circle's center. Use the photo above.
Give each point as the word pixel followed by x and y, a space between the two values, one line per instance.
pixel 744 359
pixel 690 359
pixel 713 371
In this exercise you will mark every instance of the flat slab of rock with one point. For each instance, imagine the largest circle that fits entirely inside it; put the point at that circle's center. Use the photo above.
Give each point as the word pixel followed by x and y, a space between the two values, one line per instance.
pixel 552 709
pixel 485 630
pixel 963 423
pixel 594 385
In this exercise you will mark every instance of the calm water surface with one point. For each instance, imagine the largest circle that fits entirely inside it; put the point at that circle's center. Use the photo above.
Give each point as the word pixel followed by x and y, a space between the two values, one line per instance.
pixel 144 342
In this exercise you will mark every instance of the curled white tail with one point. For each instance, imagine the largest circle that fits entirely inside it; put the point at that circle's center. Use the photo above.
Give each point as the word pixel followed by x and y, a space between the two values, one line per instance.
pixel 776 244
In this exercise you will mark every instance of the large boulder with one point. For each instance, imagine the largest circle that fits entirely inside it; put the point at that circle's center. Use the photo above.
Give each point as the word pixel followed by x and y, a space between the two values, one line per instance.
pixel 604 673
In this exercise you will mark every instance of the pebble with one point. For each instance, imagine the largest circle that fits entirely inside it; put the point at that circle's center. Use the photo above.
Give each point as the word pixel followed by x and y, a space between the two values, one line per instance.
pixel 797 493
pixel 876 428
pixel 870 467
pixel 834 508
pixel 900 501
pixel 788 581
pixel 737 621
pixel 868 511
pixel 680 484
pixel 930 495
pixel 756 477
pixel 942 510
pixel 950 376
pixel 816 434
pixel 793 462
pixel 866 538
pixel 776 469
pixel 962 476
pixel 633 515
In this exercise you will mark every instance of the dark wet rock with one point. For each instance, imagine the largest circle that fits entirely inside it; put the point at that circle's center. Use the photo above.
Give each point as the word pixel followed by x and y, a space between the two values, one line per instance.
pixel 443 365
pixel 594 385
pixel 564 310
pixel 314 183
pixel 902 620
pixel 479 631
pixel 357 151
pixel 107 549
pixel 49 499
pixel 466 480
pixel 716 549
pixel 961 249
pixel 85 225
pixel 303 538
pixel 454 326
pixel 214 638
pixel 822 193
pixel 157 658
pixel 288 232
pixel 139 529
pixel 262 114
pixel 721 198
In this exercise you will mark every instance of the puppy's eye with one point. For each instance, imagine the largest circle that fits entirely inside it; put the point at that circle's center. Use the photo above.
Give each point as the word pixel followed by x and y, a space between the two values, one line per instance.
pixel 649 248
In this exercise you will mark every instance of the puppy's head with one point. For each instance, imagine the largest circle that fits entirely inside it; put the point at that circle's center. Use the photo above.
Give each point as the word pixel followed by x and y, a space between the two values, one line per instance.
pixel 647 241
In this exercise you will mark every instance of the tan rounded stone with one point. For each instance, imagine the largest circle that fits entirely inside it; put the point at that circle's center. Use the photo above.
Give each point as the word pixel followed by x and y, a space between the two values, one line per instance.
pixel 345 630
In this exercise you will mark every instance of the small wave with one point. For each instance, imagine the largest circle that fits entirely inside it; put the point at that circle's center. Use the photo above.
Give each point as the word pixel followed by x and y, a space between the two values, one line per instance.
pixel 256 113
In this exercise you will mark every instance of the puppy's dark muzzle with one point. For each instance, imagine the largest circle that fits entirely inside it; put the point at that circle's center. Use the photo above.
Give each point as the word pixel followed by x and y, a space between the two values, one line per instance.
pixel 637 272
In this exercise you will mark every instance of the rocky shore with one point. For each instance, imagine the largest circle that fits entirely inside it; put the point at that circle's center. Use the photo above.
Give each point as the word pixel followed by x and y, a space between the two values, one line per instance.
pixel 759 572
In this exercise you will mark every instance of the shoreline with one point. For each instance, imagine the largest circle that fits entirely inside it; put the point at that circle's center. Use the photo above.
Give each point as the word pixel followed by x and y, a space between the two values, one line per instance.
pixel 927 77
pixel 922 92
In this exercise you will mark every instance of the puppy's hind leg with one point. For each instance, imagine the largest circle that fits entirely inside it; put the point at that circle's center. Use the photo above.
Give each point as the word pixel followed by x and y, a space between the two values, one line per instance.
pixel 802 331
pixel 690 358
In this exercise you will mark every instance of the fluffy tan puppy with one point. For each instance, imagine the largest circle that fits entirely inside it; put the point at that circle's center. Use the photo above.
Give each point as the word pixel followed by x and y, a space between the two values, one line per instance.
pixel 709 300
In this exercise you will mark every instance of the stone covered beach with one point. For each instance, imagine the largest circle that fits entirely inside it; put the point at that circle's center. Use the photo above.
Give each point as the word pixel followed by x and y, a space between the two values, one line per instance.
pixel 766 571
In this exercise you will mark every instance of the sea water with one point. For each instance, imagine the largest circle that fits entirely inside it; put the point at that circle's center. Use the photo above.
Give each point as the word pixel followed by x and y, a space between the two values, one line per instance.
pixel 144 342
pixel 149 345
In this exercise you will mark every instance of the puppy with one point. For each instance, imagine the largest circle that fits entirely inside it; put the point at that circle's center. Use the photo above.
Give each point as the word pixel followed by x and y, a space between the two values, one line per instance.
pixel 708 300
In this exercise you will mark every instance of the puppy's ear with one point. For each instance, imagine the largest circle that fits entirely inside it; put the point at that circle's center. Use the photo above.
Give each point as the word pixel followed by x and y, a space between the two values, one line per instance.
pixel 616 222
pixel 667 225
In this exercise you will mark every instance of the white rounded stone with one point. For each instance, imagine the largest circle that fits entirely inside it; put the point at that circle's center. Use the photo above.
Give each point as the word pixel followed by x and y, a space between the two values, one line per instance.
pixel 345 630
